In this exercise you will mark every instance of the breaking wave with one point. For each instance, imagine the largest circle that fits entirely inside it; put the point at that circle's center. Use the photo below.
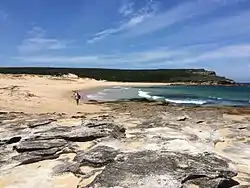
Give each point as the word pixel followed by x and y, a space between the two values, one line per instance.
pixel 199 95
pixel 146 95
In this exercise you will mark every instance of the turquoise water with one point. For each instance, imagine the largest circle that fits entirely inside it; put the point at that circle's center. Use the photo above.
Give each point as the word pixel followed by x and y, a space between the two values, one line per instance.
pixel 198 95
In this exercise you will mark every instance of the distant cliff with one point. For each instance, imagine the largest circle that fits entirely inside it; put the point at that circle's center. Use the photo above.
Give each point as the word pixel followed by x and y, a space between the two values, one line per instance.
pixel 153 75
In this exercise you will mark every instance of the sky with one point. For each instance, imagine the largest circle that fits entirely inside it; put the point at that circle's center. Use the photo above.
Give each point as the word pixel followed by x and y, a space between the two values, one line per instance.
pixel 128 34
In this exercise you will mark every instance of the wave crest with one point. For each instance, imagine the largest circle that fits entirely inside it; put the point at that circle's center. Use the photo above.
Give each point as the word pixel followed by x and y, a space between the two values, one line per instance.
pixel 146 95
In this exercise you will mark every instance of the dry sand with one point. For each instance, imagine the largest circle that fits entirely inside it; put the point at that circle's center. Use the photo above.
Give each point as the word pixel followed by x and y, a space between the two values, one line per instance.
pixel 44 94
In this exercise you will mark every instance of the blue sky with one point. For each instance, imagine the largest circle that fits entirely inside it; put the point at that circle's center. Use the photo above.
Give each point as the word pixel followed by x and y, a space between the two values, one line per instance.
pixel 211 34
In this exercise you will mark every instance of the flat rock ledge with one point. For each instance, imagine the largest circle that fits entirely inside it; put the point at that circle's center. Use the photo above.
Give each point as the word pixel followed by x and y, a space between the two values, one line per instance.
pixel 28 139
pixel 165 169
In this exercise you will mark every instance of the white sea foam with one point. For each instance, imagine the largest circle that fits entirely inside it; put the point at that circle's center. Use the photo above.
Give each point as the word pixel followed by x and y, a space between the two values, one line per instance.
pixel 116 87
pixel 144 94
pixel 186 101
pixel 101 93
pixel 120 87
pixel 91 96
pixel 157 97
pixel 107 89
pixel 94 97
pixel 218 98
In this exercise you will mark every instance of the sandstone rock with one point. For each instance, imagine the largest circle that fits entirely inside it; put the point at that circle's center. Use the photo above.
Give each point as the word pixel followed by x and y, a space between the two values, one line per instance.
pixel 98 156
pixel 78 116
pixel 243 127
pixel 11 140
pixel 160 169
pixel 28 158
pixel 157 152
pixel 37 123
pixel 182 118
pixel 82 133
pixel 67 167
pixel 33 145
pixel 200 121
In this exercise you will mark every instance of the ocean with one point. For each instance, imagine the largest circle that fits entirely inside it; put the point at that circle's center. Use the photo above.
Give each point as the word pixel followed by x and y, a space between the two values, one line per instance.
pixel 186 95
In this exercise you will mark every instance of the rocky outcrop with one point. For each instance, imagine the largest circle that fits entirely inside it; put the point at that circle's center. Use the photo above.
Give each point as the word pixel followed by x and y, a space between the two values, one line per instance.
pixel 137 145
pixel 165 169
pixel 38 139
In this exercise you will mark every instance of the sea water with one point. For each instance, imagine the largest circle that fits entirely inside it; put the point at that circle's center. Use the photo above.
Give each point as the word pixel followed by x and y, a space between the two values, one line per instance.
pixel 196 95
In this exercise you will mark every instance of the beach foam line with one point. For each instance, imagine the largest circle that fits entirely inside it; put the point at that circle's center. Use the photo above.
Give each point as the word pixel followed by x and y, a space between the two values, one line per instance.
pixel 186 101
pixel 101 93
pixel 121 87
pixel 146 95
pixel 94 97
pixel 217 98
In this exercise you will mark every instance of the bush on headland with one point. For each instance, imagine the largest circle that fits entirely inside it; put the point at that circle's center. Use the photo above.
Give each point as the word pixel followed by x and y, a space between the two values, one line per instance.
pixel 122 75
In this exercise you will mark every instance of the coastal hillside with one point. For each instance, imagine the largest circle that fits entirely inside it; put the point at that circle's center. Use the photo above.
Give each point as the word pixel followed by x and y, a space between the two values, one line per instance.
pixel 121 75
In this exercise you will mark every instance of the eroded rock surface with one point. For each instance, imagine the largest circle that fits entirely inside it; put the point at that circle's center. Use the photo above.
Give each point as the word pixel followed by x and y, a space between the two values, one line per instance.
pixel 97 157
pixel 164 169
pixel 135 145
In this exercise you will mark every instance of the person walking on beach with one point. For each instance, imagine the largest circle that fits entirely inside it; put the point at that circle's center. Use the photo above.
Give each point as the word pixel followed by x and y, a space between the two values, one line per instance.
pixel 77 97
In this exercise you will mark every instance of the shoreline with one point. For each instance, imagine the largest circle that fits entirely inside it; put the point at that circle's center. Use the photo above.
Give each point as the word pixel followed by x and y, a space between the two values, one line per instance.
pixel 42 94
pixel 101 96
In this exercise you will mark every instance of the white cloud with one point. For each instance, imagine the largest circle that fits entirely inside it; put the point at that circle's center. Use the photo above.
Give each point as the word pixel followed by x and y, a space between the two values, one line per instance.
pixel 37 42
pixel 135 18
pixel 161 57
pixel 221 59
pixel 132 22
pixel 149 21
pixel 178 14
pixel 217 29
pixel 58 59
pixel 117 59
pixel 127 8
pixel 232 52
pixel 37 32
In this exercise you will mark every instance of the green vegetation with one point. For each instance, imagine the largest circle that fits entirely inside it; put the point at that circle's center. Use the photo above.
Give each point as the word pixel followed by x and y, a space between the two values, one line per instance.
pixel 159 75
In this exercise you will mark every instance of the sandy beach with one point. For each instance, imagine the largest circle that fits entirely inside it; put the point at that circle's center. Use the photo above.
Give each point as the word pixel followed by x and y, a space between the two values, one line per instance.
pixel 42 94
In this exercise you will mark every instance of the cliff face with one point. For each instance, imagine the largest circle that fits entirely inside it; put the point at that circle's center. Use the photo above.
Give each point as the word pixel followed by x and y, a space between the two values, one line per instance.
pixel 153 75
